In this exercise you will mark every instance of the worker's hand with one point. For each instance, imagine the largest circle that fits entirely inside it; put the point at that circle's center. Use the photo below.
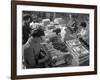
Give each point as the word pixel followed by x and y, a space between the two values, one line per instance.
pixel 78 35
pixel 74 36
pixel 68 59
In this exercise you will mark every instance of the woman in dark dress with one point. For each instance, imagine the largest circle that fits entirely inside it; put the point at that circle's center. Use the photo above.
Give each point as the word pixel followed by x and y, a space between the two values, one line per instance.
pixel 26 28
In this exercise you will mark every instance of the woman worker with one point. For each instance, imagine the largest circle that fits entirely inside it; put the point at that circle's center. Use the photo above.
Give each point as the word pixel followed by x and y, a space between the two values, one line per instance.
pixel 83 35
pixel 31 50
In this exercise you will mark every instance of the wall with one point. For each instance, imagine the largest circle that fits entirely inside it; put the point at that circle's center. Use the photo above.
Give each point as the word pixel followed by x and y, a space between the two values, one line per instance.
pixel 5 40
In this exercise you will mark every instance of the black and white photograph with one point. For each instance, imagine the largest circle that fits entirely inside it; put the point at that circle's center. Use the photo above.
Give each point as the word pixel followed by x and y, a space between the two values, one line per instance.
pixel 54 39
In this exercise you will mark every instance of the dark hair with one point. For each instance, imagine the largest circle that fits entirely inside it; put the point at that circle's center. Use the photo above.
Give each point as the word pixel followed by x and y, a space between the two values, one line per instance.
pixel 83 24
pixel 26 17
pixel 37 32
pixel 74 16
pixel 57 30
